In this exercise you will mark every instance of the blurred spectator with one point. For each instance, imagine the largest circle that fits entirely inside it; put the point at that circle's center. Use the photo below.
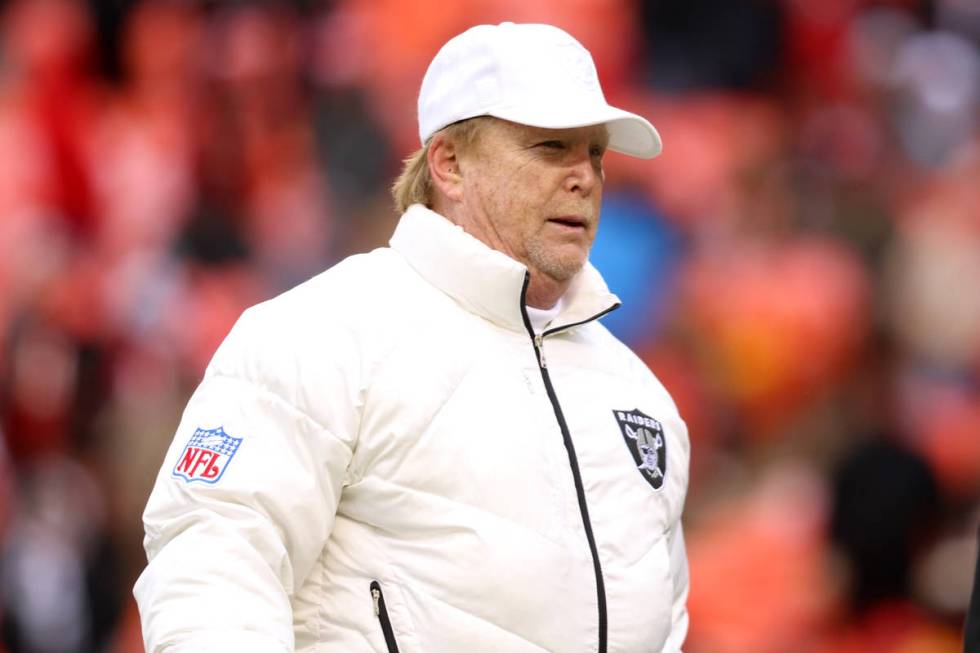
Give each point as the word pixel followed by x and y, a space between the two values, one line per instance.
pixel 637 251
pixel 47 47
pixel 937 79
pixel 885 515
pixel 733 44
pixel 762 313
pixel 885 507
pixel 760 581
pixel 61 593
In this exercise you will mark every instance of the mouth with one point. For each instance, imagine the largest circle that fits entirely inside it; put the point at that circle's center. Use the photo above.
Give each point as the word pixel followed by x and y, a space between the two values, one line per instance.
pixel 570 222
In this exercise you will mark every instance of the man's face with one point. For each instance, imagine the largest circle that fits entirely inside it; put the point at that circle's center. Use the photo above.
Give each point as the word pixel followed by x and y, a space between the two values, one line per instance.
pixel 534 193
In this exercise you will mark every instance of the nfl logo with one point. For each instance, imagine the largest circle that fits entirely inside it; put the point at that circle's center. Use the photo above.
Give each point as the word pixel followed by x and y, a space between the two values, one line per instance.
pixel 206 456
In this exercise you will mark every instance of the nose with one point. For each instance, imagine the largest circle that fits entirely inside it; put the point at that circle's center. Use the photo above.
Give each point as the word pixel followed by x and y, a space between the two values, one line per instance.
pixel 584 171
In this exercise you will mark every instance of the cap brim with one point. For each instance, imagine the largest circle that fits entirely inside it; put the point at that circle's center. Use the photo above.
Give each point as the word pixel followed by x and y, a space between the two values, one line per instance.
pixel 629 133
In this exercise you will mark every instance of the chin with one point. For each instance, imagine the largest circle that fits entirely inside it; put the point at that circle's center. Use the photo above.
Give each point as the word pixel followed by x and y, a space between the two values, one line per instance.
pixel 562 270
pixel 558 263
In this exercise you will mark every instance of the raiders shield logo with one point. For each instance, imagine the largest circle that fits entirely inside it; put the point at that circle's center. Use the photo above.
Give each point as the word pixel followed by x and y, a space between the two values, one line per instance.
pixel 645 439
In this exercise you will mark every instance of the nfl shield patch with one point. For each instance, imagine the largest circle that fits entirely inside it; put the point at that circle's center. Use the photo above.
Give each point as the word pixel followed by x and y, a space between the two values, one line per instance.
pixel 206 456
pixel 645 439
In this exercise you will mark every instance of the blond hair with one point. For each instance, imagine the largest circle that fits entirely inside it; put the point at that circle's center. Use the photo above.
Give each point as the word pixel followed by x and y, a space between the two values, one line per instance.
pixel 414 184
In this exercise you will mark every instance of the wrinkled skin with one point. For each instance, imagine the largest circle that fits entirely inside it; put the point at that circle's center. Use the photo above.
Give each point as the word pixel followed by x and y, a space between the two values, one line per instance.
pixel 531 193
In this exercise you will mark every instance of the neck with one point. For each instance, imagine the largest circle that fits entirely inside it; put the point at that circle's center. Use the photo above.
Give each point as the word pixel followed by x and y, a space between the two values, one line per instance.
pixel 544 292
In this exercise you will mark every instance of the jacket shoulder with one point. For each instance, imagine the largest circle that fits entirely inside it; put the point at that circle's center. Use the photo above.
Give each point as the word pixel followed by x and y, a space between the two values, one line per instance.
pixel 341 298
pixel 340 294
pixel 322 333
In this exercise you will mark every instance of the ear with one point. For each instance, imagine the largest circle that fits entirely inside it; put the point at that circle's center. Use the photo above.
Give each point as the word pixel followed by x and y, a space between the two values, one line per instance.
pixel 443 161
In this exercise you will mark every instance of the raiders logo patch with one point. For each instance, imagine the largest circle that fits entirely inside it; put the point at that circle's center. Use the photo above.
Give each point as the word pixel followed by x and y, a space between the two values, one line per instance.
pixel 645 439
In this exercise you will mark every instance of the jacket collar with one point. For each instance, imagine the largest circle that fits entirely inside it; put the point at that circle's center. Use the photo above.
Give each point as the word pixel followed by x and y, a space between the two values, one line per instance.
pixel 484 281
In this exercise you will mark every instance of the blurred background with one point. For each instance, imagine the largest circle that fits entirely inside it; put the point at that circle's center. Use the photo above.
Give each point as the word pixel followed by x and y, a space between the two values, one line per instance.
pixel 801 268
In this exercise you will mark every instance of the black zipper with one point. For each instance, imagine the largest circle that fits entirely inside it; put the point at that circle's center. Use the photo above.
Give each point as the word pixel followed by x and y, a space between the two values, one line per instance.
pixel 381 612
pixel 566 435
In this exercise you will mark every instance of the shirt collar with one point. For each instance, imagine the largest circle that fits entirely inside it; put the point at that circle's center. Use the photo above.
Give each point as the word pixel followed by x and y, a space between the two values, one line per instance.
pixel 484 281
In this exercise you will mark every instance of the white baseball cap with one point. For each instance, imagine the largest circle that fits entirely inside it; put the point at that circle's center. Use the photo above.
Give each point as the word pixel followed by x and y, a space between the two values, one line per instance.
pixel 536 75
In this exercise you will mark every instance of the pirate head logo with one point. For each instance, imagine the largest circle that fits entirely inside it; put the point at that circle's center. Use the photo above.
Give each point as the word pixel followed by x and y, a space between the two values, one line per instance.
pixel 645 440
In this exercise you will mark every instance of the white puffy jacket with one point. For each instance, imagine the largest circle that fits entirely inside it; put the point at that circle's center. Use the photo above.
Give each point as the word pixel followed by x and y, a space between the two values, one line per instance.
pixel 384 459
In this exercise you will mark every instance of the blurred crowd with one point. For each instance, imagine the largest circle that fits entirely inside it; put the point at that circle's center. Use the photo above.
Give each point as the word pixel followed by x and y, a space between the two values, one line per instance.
pixel 801 268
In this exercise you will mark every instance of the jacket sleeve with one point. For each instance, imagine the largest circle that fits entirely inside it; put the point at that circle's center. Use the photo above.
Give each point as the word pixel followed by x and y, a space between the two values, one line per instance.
pixel 229 538
pixel 679 573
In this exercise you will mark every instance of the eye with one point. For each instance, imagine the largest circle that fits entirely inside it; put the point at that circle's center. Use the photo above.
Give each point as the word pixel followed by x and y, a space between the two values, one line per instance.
pixel 597 151
pixel 552 145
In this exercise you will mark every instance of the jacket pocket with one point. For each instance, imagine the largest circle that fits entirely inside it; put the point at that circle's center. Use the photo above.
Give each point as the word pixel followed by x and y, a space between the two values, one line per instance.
pixel 381 612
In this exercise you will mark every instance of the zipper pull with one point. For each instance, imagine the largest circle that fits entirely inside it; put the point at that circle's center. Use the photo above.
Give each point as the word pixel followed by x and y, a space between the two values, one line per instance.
pixel 539 343
pixel 376 595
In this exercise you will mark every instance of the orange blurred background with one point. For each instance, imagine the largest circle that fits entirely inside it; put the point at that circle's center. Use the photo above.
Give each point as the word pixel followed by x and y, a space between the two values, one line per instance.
pixel 801 267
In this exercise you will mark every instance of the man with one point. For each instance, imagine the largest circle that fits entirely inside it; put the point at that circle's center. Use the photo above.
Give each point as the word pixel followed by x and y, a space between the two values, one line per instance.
pixel 436 447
